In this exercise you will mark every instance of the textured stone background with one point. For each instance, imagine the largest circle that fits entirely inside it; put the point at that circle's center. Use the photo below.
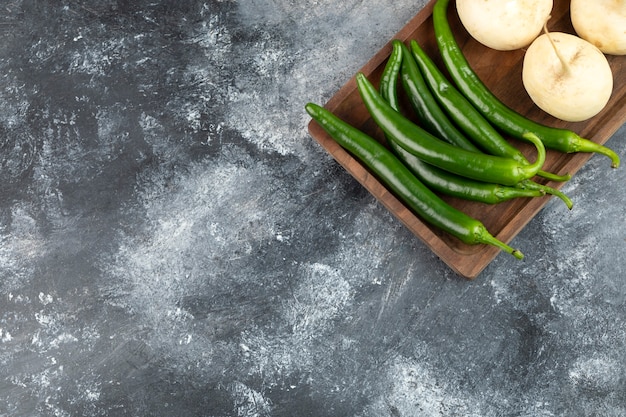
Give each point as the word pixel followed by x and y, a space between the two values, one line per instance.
pixel 173 243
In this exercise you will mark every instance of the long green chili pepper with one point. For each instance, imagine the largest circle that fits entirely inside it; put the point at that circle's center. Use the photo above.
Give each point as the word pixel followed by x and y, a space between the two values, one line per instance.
pixel 456 186
pixel 429 114
pixel 465 115
pixel 433 177
pixel 502 116
pixel 404 184
pixel 472 122
pixel 430 149
pixel 389 78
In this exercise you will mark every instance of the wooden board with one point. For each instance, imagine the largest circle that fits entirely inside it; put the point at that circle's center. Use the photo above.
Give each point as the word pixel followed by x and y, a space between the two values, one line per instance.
pixel 501 72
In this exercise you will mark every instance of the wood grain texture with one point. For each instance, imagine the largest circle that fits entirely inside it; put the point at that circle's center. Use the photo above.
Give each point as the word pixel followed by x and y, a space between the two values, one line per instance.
pixel 501 72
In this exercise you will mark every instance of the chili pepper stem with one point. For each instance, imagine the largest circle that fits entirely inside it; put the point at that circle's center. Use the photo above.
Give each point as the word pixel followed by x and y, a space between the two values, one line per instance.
pixel 559 194
pixel 541 153
pixel 531 185
pixel 586 145
pixel 554 177
pixel 489 239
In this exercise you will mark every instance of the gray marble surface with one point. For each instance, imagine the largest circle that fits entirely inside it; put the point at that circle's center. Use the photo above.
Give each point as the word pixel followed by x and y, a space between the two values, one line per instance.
pixel 173 243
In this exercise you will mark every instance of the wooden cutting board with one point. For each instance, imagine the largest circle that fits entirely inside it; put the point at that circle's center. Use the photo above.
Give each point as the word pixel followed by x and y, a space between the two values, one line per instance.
pixel 501 72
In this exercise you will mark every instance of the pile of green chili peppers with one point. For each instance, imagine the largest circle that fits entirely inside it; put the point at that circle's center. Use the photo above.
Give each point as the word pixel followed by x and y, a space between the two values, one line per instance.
pixel 457 148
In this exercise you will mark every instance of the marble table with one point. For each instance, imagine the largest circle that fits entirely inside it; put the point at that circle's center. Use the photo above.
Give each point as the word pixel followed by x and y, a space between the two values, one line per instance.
pixel 174 243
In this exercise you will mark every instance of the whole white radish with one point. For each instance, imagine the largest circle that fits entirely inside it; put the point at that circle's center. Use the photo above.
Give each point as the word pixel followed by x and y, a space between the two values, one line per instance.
pixel 601 22
pixel 566 76
pixel 504 25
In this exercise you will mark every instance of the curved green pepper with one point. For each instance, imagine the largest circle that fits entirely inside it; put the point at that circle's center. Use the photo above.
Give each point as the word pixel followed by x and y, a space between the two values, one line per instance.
pixel 433 177
pixel 472 122
pixel 502 116
pixel 429 114
pixel 432 150
pixel 465 115
pixel 425 203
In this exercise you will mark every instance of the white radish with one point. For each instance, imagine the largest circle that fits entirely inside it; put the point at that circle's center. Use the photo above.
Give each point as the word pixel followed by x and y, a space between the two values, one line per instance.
pixel 504 25
pixel 601 22
pixel 566 76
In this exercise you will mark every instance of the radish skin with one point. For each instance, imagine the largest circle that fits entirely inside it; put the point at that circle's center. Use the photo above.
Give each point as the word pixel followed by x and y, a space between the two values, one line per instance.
pixel 504 25
pixel 601 22
pixel 574 84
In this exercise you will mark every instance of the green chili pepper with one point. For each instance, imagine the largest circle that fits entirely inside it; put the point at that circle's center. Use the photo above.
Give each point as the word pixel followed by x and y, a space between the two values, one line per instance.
pixel 389 78
pixel 433 177
pixel 465 115
pixel 429 114
pixel 474 124
pixel 502 116
pixel 404 184
pixel 456 186
pixel 430 149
